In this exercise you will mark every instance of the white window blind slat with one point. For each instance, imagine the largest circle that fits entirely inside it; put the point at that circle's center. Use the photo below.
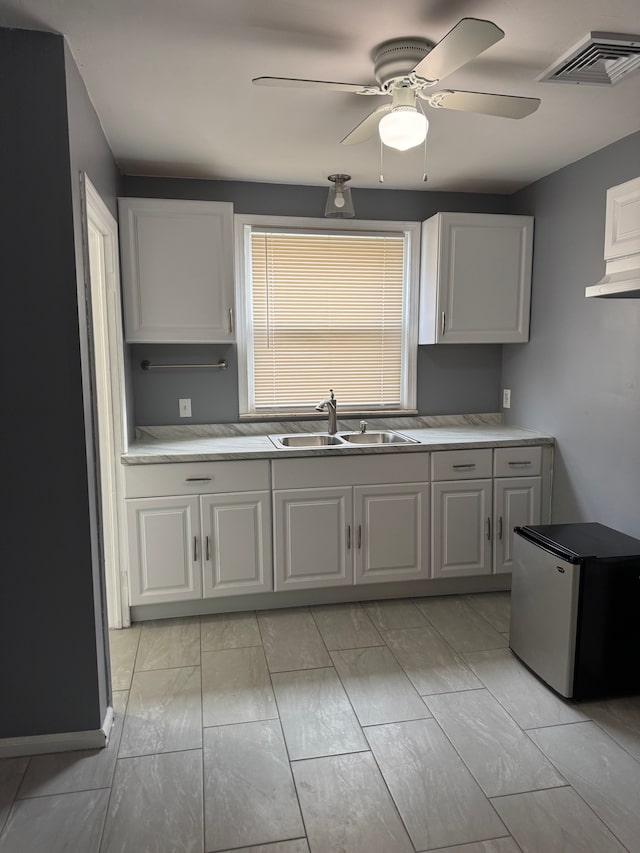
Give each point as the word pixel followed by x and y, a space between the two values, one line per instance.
pixel 326 311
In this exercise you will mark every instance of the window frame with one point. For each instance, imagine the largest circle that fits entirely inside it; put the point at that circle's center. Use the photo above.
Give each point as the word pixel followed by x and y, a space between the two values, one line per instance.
pixel 243 223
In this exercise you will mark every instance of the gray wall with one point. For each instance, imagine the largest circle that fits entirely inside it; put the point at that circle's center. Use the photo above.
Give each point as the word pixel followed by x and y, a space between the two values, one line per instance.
pixel 53 675
pixel 451 379
pixel 579 376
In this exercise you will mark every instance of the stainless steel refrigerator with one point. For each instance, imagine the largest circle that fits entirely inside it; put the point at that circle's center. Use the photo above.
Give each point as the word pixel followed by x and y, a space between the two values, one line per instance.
pixel 575 608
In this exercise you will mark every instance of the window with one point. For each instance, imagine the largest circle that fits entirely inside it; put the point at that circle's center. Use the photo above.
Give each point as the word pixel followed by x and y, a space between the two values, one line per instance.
pixel 326 306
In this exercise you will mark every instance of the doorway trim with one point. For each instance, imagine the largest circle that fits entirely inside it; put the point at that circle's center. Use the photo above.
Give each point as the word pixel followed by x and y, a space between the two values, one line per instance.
pixel 100 238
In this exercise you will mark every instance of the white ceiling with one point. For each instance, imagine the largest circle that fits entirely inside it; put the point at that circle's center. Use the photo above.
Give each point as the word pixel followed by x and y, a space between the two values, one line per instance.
pixel 171 82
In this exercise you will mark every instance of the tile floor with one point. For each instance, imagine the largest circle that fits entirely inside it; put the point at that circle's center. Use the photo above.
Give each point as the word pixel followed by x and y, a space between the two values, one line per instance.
pixel 384 727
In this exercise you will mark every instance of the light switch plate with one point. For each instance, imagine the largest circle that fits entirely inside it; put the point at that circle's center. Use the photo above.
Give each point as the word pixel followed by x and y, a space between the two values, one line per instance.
pixel 506 398
pixel 184 407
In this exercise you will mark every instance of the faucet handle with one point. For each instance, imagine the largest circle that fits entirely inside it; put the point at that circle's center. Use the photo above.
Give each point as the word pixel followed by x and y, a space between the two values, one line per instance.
pixel 363 426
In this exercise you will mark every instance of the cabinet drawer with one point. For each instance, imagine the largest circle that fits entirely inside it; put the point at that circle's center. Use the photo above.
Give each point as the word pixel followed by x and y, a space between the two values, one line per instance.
pixel 350 470
pixel 517 461
pixel 461 464
pixel 196 478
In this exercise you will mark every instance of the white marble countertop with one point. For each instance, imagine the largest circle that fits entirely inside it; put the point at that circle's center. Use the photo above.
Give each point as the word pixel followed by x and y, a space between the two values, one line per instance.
pixel 214 442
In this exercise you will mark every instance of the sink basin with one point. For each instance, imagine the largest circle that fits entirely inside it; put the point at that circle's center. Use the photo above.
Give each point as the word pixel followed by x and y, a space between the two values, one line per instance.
pixel 382 437
pixel 308 439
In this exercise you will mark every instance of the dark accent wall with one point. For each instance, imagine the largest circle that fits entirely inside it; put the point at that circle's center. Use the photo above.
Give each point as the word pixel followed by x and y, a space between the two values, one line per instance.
pixel 451 379
pixel 579 376
pixel 53 673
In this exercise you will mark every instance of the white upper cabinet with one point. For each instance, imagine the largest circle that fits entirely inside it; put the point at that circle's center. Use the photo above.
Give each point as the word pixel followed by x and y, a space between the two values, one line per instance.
pixel 475 278
pixel 177 270
pixel 622 226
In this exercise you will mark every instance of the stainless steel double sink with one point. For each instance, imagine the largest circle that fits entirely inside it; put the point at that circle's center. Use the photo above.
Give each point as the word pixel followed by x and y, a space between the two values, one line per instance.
pixel 317 440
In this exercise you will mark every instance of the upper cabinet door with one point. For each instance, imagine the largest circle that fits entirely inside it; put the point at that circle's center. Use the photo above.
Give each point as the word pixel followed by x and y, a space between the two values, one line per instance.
pixel 622 228
pixel 177 270
pixel 475 284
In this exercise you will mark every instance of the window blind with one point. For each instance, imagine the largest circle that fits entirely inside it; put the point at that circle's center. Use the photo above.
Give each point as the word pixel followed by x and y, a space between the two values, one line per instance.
pixel 327 312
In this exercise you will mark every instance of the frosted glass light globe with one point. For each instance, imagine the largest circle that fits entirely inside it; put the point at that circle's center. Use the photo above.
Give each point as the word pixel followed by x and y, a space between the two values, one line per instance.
pixel 403 128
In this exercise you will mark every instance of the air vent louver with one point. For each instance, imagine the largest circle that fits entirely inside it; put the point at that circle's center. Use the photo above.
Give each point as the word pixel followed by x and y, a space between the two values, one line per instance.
pixel 600 59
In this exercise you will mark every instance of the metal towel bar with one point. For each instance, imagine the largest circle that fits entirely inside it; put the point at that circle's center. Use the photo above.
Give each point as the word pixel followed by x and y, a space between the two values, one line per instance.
pixel 147 365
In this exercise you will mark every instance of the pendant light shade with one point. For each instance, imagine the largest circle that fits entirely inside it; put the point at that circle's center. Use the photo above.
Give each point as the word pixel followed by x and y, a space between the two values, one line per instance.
pixel 403 128
pixel 339 204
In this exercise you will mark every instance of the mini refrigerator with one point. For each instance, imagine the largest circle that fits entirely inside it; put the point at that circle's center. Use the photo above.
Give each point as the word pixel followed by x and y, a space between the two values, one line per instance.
pixel 575 608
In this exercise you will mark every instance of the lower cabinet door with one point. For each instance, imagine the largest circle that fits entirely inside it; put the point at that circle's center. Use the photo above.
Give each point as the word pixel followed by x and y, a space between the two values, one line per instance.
pixel 313 538
pixel 164 549
pixel 391 533
pixel 516 502
pixel 461 535
pixel 236 537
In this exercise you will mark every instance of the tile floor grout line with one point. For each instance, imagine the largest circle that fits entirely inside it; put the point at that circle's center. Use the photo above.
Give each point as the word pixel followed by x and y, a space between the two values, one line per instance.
pixel 284 740
pixel 486 687
pixel 15 796
pixel 576 792
pixel 466 598
pixel 602 729
pixel 435 627
pixel 388 789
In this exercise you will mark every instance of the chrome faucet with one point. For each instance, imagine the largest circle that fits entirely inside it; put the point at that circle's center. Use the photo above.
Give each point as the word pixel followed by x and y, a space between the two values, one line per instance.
pixel 330 405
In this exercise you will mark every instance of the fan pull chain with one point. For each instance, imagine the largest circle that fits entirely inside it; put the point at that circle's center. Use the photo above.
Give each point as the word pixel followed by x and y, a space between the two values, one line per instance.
pixel 381 178
pixel 425 177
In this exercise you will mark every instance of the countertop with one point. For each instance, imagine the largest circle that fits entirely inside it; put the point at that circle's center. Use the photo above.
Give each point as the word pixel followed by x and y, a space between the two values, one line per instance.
pixel 214 442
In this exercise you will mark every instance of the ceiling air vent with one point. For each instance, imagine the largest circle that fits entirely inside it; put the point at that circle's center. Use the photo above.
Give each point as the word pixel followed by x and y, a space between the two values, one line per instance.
pixel 600 59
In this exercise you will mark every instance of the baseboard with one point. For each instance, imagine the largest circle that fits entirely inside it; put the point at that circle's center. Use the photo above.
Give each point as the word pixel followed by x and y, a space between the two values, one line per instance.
pixel 10 747
pixel 326 595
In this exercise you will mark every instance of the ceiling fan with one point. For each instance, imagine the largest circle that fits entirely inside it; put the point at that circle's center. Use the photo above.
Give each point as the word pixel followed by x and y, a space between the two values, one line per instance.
pixel 407 68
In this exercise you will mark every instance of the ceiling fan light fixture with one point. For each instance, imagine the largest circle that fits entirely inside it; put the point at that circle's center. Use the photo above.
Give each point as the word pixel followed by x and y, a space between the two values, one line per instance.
pixel 403 128
pixel 339 204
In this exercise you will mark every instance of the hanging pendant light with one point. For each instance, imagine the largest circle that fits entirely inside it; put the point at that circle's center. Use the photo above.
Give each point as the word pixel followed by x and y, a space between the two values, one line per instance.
pixel 339 204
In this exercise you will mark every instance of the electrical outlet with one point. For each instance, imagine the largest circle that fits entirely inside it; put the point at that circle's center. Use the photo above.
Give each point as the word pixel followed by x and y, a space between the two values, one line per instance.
pixel 184 407
pixel 506 398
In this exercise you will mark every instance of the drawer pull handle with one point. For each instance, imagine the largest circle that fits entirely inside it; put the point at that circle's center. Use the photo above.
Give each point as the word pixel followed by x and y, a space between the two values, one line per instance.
pixel 524 462
pixel 230 321
pixel 348 537
pixel 466 465
pixel 359 536
pixel 489 528
pixel 500 528
pixel 207 551
pixel 195 548
pixel 198 479
pixel 444 322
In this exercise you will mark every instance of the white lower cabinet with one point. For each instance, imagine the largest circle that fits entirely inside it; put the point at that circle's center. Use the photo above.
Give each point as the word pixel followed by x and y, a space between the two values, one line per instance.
pixel 313 538
pixel 236 537
pixel 473 520
pixel 461 535
pixel 391 532
pixel 517 501
pixel 209 535
pixel 164 551
pixel 352 529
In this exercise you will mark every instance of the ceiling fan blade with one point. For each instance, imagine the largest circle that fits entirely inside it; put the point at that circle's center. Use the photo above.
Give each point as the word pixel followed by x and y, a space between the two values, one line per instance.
pixel 292 82
pixel 367 127
pixel 464 42
pixel 507 106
